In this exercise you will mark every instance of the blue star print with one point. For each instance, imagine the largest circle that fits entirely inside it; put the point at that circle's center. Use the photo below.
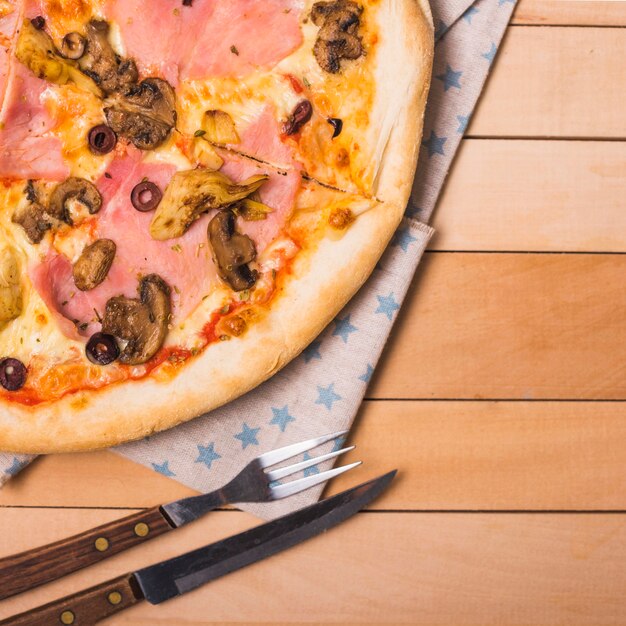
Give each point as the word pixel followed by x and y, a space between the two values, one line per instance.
pixel 207 455
pixel 327 396
pixel 503 2
pixel 491 54
pixel 163 468
pixel 343 328
pixel 312 351
pixel 247 436
pixel 310 471
pixel 281 418
pixel 368 374
pixel 403 238
pixel 338 444
pixel 469 14
pixel 387 305
pixel 16 466
pixel 463 122
pixel 442 27
pixel 435 144
pixel 450 78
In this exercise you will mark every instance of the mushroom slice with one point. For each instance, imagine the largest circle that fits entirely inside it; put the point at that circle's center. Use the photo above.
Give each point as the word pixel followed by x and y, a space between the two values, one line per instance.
pixel 93 264
pixel 194 192
pixel 142 322
pixel 36 50
pixel 10 287
pixel 101 63
pixel 232 251
pixel 77 189
pixel 338 36
pixel 146 115
pixel 32 215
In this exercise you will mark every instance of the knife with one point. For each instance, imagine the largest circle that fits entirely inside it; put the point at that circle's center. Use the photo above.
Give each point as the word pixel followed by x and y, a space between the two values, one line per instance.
pixel 184 573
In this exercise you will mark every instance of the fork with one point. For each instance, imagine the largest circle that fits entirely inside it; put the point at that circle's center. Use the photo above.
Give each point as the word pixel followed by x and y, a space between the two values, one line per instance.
pixel 254 483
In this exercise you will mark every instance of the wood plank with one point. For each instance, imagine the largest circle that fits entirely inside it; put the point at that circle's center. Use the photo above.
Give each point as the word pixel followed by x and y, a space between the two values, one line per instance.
pixel 534 195
pixel 555 82
pixel 570 12
pixel 509 326
pixel 377 568
pixel 451 456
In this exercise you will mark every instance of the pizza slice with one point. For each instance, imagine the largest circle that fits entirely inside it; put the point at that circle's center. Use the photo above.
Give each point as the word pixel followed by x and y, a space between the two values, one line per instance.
pixel 175 222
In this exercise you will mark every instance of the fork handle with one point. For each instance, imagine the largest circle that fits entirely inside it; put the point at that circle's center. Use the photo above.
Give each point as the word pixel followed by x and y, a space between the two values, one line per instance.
pixel 83 608
pixel 38 566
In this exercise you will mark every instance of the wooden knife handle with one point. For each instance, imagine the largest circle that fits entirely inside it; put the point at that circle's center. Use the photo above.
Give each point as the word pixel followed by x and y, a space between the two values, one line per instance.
pixel 35 567
pixel 83 608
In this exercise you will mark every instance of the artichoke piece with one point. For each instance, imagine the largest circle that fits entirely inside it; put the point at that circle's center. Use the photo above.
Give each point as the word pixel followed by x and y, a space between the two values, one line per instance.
pixel 252 210
pixel 204 154
pixel 36 50
pixel 10 287
pixel 219 127
pixel 194 192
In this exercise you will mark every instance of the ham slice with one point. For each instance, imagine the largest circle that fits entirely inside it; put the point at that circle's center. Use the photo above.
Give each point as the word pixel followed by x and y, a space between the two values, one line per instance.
pixel 184 263
pixel 209 38
pixel 27 147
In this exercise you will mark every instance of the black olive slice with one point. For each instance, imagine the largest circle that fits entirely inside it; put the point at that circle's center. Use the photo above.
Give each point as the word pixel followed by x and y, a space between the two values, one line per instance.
pixel 300 116
pixel 146 196
pixel 102 139
pixel 73 46
pixel 337 125
pixel 102 349
pixel 12 374
pixel 38 22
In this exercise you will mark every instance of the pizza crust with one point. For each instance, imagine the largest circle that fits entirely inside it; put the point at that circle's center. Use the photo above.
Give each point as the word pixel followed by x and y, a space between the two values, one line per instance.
pixel 322 281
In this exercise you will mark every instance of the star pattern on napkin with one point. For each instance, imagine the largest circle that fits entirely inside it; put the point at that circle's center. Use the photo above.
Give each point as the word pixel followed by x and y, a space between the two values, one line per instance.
pixel 387 305
pixel 434 144
pixel 343 328
pixel 312 351
pixel 207 454
pixel 490 55
pixel 163 468
pixel 403 238
pixel 282 417
pixel 327 396
pixel 368 374
pixel 450 78
pixel 248 436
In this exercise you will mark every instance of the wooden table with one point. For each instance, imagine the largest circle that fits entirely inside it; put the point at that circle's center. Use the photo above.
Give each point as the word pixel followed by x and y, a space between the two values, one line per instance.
pixel 501 395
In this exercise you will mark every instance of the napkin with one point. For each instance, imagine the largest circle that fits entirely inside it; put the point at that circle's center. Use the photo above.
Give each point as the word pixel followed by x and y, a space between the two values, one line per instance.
pixel 321 390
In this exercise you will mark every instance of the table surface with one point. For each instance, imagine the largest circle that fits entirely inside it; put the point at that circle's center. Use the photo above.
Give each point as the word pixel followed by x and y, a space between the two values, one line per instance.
pixel 501 395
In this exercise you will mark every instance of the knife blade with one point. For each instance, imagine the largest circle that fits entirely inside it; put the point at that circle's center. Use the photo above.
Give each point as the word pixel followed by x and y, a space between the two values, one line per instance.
pixel 176 576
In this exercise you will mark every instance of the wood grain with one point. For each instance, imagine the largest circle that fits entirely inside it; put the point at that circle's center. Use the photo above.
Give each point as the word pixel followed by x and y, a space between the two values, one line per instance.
pixel 23 571
pixel 534 195
pixel 555 82
pixel 383 568
pixel 451 456
pixel 570 12
pixel 82 608
pixel 509 326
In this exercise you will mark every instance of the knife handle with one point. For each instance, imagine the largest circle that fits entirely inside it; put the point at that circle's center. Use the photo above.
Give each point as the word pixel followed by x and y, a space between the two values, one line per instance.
pixel 38 566
pixel 83 608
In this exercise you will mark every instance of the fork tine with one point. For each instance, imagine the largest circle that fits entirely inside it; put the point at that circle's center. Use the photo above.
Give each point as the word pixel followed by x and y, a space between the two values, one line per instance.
pixel 281 454
pixel 296 486
pixel 277 474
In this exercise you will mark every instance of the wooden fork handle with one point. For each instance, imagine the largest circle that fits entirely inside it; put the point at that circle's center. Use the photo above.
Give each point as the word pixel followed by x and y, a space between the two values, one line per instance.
pixel 83 608
pixel 38 566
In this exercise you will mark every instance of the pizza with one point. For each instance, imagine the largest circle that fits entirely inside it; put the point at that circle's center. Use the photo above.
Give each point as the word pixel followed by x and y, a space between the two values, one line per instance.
pixel 191 191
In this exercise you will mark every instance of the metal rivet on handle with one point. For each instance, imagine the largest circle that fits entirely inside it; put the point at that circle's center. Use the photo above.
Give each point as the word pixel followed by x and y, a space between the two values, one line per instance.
pixel 115 597
pixel 67 617
pixel 102 544
pixel 141 529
